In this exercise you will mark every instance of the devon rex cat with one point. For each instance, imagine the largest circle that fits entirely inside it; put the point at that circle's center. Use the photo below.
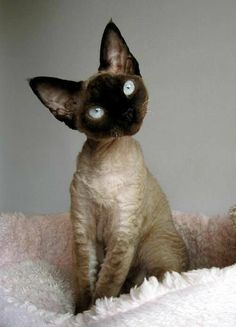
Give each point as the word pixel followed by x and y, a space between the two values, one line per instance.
pixel 122 221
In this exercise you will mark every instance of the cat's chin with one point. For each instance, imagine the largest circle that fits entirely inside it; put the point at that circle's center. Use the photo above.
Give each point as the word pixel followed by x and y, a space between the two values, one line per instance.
pixel 134 130
pixel 130 132
pixel 113 134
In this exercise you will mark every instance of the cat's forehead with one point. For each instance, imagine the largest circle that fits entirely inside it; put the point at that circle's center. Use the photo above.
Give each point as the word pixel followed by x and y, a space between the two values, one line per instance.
pixel 109 81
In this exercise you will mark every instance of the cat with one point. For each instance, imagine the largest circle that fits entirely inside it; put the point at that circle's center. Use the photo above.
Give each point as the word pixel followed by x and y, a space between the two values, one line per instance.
pixel 121 218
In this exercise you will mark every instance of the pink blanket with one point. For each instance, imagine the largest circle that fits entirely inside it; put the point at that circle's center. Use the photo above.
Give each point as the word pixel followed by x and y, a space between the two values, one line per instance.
pixel 36 277
pixel 211 241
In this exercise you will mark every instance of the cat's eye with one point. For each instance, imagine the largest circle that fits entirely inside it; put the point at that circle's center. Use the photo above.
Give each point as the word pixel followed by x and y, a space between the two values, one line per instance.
pixel 95 113
pixel 128 87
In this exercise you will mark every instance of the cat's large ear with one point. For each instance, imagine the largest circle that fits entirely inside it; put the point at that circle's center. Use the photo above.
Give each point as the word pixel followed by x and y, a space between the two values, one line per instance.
pixel 114 53
pixel 59 96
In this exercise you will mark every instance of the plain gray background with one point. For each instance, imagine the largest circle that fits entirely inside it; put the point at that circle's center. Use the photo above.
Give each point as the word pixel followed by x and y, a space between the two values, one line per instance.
pixel 187 55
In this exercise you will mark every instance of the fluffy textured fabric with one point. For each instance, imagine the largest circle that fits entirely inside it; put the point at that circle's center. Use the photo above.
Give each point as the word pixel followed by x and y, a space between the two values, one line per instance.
pixel 36 278
pixel 47 237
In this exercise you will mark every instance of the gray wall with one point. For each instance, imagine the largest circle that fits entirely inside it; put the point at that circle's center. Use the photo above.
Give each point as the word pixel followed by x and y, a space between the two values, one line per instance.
pixel 187 54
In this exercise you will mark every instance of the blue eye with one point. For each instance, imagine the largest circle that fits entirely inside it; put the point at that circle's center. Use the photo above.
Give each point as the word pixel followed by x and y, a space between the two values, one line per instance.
pixel 128 87
pixel 96 113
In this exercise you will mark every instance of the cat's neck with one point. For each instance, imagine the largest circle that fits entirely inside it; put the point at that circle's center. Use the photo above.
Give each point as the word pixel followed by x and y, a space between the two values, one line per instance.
pixel 108 155
pixel 102 148
pixel 101 145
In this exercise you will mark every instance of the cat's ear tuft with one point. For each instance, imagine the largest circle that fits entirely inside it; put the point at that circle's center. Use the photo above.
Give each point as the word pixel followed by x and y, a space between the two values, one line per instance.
pixel 114 53
pixel 59 96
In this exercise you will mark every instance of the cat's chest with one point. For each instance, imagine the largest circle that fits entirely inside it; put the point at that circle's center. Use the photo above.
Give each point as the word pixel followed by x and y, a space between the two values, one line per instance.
pixel 106 176
pixel 104 185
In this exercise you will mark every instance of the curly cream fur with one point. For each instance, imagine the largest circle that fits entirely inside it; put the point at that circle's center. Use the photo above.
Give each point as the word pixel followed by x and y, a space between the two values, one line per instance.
pixel 122 221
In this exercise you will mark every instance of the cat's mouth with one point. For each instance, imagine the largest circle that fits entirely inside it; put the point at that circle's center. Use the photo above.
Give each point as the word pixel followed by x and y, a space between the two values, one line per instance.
pixel 129 122
pixel 129 128
pixel 118 133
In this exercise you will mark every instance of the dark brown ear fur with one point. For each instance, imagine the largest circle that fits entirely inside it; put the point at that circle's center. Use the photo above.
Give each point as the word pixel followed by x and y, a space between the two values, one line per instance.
pixel 114 53
pixel 59 96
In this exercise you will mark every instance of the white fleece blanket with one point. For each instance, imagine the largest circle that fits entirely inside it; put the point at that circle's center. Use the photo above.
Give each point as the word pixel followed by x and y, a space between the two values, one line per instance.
pixel 37 280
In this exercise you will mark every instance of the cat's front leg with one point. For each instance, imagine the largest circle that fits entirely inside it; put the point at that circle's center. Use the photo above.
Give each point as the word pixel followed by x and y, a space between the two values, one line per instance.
pixel 84 230
pixel 85 273
pixel 116 266
pixel 121 246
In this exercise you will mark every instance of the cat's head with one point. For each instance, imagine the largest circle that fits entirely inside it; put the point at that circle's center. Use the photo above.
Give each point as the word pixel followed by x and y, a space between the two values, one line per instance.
pixel 111 103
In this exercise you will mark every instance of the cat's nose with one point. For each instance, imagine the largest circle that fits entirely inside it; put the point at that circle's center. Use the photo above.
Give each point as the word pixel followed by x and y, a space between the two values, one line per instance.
pixel 127 111
pixel 128 114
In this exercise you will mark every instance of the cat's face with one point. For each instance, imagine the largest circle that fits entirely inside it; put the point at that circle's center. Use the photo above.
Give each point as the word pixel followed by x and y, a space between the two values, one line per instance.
pixel 111 103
